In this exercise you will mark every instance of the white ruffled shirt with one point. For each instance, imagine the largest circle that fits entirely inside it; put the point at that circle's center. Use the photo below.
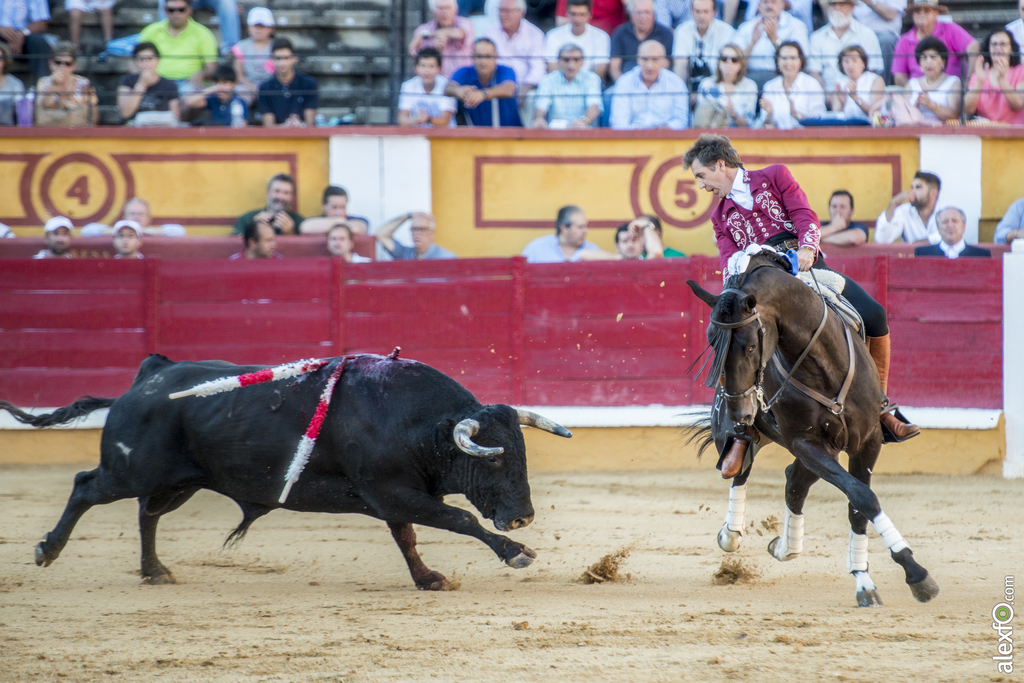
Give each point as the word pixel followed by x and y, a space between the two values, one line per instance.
pixel 741 191
pixel 953 250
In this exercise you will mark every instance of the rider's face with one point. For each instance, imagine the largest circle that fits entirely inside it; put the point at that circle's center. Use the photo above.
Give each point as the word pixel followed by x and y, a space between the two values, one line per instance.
pixel 712 178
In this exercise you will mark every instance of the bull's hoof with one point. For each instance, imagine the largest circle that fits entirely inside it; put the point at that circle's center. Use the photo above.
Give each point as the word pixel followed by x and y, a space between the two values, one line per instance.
pixel 523 559
pixel 771 551
pixel 42 559
pixel 868 598
pixel 729 540
pixel 434 581
pixel 925 589
pixel 161 579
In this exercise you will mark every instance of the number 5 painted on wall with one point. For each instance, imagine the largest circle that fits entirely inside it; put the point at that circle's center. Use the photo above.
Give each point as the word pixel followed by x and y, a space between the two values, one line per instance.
pixel 686 193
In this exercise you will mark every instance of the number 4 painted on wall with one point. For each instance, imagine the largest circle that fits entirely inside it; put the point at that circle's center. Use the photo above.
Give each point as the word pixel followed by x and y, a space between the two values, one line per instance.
pixel 80 190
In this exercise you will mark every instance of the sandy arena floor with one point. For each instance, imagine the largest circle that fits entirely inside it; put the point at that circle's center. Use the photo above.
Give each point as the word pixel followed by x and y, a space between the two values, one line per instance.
pixel 328 598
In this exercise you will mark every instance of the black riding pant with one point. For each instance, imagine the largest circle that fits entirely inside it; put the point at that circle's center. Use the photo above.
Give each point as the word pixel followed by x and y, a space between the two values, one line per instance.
pixel 876 323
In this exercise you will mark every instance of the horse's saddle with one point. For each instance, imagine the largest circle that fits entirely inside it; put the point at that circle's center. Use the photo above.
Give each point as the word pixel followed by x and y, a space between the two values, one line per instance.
pixel 829 285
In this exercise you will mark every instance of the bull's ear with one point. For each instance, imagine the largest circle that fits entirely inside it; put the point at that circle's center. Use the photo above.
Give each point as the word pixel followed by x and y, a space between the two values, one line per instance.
pixel 444 431
pixel 703 294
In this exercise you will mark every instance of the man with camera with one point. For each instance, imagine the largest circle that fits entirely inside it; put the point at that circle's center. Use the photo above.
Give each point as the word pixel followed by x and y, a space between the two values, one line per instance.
pixel 698 42
pixel 280 195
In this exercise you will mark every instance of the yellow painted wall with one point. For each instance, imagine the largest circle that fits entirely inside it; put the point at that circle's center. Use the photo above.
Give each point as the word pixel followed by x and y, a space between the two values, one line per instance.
pixel 1000 175
pixel 206 182
pixel 509 181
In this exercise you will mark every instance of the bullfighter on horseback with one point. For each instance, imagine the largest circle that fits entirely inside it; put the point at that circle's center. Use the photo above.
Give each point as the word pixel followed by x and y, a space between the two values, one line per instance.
pixel 767 207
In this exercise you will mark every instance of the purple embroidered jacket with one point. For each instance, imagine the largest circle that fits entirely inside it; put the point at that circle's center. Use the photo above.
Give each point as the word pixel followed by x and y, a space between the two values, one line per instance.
pixel 779 206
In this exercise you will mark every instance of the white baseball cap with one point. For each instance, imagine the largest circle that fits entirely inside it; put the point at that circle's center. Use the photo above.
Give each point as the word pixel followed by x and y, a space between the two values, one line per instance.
pixel 58 222
pixel 128 224
pixel 260 16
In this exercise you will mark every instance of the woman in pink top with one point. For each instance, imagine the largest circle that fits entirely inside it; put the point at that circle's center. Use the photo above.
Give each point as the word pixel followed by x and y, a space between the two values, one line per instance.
pixel 926 23
pixel 996 89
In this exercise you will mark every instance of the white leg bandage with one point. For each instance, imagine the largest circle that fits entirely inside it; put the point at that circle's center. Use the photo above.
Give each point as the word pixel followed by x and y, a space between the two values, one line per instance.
pixel 890 536
pixel 737 506
pixel 791 543
pixel 857 559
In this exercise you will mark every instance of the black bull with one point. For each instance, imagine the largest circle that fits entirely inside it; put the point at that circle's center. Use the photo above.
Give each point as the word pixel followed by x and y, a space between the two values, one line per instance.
pixel 388 449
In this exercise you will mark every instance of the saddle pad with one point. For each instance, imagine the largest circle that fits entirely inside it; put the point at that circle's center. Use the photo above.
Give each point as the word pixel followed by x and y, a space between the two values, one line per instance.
pixel 831 289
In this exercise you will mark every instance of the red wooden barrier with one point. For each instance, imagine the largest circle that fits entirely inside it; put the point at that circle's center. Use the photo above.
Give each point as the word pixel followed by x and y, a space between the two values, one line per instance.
pixel 575 334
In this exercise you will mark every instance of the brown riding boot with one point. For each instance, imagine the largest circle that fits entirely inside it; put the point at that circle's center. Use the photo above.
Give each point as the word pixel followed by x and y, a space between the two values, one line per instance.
pixel 879 348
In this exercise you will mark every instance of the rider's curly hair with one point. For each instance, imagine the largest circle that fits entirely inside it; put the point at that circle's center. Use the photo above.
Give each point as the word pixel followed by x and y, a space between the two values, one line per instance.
pixel 709 149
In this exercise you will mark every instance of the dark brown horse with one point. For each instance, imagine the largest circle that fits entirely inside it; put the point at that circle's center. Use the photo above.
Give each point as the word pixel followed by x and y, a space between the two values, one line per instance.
pixel 788 370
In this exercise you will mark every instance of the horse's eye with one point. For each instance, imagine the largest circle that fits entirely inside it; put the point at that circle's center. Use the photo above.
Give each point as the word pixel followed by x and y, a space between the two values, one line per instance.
pixel 750 349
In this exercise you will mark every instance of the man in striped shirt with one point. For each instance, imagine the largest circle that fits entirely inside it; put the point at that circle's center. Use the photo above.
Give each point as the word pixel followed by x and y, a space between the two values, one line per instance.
pixel 569 97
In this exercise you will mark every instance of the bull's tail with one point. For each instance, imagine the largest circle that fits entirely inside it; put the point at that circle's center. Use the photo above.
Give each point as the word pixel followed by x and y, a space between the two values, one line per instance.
pixel 80 408
pixel 701 434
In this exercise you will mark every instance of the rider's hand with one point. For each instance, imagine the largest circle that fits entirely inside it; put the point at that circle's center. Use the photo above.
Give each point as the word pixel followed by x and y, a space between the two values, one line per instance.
pixel 805 258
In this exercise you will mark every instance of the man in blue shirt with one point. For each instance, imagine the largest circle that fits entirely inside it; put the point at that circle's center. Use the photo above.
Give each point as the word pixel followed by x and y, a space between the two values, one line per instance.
pixel 218 99
pixel 423 246
pixel 484 87
pixel 289 98
pixel 567 244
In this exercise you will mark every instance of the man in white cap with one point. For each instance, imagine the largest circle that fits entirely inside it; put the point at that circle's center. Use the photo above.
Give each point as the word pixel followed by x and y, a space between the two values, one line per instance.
pixel 841 32
pixel 58 238
pixel 127 239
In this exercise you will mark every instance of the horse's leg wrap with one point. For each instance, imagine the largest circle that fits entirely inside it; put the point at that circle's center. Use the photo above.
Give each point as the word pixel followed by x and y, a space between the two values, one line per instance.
pixel 890 536
pixel 857 559
pixel 791 543
pixel 731 535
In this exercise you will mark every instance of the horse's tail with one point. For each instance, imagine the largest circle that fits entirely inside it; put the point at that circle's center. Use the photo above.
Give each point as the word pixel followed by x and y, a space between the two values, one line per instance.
pixel 701 435
pixel 80 408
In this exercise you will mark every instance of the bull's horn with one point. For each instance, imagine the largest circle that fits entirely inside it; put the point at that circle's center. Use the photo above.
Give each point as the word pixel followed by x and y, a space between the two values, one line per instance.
pixel 540 422
pixel 464 433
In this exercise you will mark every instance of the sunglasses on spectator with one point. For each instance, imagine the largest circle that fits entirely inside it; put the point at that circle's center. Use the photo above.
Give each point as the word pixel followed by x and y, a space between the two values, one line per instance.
pixel 730 59
pixel 176 10
pixel 63 62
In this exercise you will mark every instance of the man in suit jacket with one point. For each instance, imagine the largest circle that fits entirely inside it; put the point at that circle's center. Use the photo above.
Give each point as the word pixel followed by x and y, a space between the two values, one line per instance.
pixel 952 222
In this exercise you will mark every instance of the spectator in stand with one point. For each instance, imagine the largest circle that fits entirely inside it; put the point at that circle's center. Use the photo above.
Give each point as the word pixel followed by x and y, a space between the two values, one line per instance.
pixel 638 240
pixel 926 24
pixel 105 8
pixel 842 31
pixel 952 224
pixel 1016 27
pixel 422 101
pixel 58 238
pixel 138 210
pixel 856 89
pixel 228 19
pixel 280 195
pixel 259 240
pixel 996 89
pixel 628 38
pixel 607 15
pixel 569 97
pixel 423 245
pixel 448 33
pixel 672 13
pixel 649 95
pixel 23 25
pixel 127 240
pixel 290 98
pixel 793 96
pixel 519 43
pixel 1011 227
pixel 934 92
pixel 188 49
pixel 910 215
pixel 592 41
pixel 885 18
pixel 760 39
pixel 475 86
pixel 341 243
pixel 11 88
pixel 335 208
pixel 729 99
pixel 801 10
pixel 698 42
pixel 146 90
pixel 567 244
pixel 841 228
pixel 254 65
pixel 64 98
pixel 218 99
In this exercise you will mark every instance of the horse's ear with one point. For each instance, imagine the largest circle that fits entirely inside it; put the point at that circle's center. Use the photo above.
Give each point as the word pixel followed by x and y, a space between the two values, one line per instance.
pixel 750 302
pixel 703 294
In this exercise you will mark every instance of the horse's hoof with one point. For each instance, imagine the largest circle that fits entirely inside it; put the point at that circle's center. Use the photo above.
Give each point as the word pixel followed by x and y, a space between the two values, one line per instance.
pixel 729 540
pixel 523 559
pixel 868 598
pixel 160 579
pixel 925 589
pixel 434 581
pixel 771 551
pixel 41 559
